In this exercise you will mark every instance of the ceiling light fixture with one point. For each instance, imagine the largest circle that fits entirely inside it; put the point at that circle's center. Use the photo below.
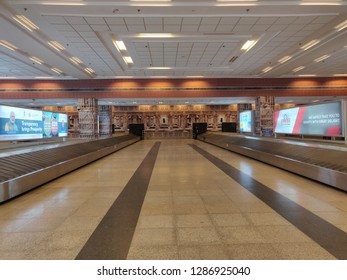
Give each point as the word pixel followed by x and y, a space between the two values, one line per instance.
pixel 248 45
pixel 150 0
pixel 340 75
pixel 55 45
pixel 267 69
pixel 75 60
pixel 158 68
pixel 309 45
pixel 119 45
pixel 307 75
pixel 319 59
pixel 298 68
pixel 56 70
pixel 341 26
pixel 128 60
pixel 8 45
pixel 284 59
pixel 237 3
pixel 25 22
pixel 309 3
pixel 89 70
pixel 64 3
pixel 155 35
pixel 35 59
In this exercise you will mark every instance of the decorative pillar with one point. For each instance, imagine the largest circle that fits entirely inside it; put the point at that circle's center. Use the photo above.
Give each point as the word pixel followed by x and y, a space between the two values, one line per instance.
pixel 87 117
pixel 104 120
pixel 264 108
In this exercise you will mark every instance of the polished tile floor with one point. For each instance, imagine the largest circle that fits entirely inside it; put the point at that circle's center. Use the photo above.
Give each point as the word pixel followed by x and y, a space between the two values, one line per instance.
pixel 191 209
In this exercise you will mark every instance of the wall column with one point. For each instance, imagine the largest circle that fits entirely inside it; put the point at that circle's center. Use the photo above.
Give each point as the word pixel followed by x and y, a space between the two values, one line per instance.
pixel 87 117
pixel 104 120
pixel 264 108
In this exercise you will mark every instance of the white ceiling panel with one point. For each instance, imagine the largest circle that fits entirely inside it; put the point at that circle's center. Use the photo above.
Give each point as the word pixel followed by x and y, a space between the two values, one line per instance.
pixel 195 34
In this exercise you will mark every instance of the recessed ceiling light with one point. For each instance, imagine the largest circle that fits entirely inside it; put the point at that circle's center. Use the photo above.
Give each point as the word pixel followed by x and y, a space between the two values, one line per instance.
pixel 8 45
pixel 310 44
pixel 89 70
pixel 267 69
pixel 25 22
pixel 155 35
pixel 319 59
pixel 120 45
pixel 284 59
pixel 75 60
pixel 35 59
pixel 248 45
pixel 317 3
pixel 55 45
pixel 158 68
pixel 64 3
pixel 150 0
pixel 128 59
pixel 307 75
pixel 340 75
pixel 56 70
pixel 341 26
pixel 298 68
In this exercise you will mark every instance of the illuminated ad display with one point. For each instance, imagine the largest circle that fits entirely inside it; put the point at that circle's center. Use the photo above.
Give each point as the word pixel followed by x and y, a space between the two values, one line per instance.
pixel 19 123
pixel 246 121
pixel 320 119
pixel 54 124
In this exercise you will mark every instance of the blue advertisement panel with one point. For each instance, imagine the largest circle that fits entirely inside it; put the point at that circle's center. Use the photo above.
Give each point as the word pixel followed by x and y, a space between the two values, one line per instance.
pixel 54 124
pixel 246 121
pixel 20 123
pixel 62 124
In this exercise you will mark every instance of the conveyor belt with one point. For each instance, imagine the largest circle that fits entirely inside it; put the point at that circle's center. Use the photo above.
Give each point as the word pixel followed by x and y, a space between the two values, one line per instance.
pixel 22 172
pixel 324 163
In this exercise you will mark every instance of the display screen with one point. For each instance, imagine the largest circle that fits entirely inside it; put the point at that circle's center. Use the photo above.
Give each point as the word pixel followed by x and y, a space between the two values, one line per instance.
pixel 319 119
pixel 54 124
pixel 246 121
pixel 21 124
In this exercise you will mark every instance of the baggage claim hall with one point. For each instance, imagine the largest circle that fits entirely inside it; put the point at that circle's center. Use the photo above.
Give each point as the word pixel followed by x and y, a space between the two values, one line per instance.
pixel 173 130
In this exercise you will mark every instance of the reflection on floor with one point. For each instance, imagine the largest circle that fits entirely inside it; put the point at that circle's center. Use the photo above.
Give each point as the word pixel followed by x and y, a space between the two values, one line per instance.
pixel 191 210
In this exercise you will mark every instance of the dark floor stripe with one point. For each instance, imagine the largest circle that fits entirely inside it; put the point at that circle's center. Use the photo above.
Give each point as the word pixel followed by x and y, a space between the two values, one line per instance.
pixel 325 234
pixel 112 238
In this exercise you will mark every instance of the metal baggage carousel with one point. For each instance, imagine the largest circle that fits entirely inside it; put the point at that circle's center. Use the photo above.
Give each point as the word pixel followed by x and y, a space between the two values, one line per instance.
pixel 321 162
pixel 21 172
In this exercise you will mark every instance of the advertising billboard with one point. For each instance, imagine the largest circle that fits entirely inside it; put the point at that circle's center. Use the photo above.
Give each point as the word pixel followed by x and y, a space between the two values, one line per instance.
pixel 19 123
pixel 54 124
pixel 24 124
pixel 319 119
pixel 246 121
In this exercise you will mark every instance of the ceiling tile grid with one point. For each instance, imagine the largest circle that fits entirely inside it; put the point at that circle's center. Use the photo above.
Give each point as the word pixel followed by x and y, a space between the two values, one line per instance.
pixel 205 39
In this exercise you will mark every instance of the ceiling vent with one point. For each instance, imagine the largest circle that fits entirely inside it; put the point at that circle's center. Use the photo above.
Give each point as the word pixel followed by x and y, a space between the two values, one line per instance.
pixel 233 59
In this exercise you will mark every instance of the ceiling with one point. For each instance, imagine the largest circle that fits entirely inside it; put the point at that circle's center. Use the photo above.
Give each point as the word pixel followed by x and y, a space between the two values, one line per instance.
pixel 172 39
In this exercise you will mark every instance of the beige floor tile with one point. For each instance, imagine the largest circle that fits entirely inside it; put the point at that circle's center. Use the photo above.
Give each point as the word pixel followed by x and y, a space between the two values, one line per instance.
pixel 194 236
pixel 266 219
pixel 233 219
pixel 165 252
pixel 155 221
pixel 154 237
pixel 240 234
pixel 201 220
pixel 202 252
pixel 282 234
pixel 302 251
pixel 253 251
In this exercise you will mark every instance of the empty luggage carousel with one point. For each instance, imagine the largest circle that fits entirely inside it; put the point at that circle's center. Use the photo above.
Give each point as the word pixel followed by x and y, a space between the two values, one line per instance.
pixel 176 199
